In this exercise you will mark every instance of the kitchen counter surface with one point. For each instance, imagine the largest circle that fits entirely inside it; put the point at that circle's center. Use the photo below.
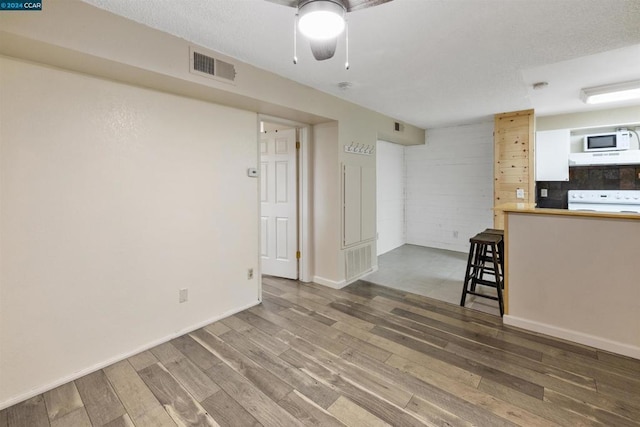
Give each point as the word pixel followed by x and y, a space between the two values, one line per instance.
pixel 530 208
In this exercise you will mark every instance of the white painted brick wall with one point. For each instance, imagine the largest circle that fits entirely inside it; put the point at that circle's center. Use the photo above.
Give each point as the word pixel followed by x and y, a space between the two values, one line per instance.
pixel 390 199
pixel 449 186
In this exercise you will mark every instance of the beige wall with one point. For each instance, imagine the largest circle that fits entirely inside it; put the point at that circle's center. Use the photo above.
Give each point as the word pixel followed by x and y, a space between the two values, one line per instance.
pixel 608 117
pixel 326 214
pixel 113 198
pixel 109 194
pixel 576 278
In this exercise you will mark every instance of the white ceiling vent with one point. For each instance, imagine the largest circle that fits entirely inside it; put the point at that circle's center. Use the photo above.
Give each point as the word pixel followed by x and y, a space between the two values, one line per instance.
pixel 208 66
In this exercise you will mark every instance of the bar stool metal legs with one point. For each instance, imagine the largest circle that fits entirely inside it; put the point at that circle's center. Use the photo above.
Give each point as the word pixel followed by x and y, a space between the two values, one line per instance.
pixel 485 257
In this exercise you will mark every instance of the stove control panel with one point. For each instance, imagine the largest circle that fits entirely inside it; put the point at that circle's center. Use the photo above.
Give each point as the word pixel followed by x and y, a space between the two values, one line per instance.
pixel 609 197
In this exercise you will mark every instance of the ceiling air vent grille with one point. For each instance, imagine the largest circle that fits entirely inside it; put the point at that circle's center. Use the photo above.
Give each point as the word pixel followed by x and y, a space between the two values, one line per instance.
pixel 204 63
pixel 208 66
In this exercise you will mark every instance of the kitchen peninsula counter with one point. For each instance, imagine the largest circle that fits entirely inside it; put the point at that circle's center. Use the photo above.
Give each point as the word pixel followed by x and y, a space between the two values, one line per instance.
pixel 574 275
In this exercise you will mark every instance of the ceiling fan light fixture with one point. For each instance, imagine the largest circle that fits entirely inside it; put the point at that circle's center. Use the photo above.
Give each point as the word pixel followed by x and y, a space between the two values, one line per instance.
pixel 321 19
pixel 611 93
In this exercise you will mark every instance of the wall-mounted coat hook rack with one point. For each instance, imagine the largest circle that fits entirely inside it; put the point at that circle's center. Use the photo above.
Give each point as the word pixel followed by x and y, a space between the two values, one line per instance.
pixel 362 149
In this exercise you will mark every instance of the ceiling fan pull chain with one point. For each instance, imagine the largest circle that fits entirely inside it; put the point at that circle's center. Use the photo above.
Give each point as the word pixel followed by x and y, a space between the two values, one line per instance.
pixel 295 40
pixel 346 24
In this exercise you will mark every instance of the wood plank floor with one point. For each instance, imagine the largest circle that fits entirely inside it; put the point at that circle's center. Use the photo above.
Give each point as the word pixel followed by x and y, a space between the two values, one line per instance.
pixel 361 356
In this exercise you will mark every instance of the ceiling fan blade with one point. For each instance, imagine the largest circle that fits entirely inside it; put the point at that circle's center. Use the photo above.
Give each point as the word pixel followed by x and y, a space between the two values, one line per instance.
pixel 290 3
pixel 350 5
pixel 323 49
pixel 362 4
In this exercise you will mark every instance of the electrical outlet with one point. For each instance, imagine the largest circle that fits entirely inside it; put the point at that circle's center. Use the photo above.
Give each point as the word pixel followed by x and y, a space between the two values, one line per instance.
pixel 544 192
pixel 250 274
pixel 520 193
pixel 183 295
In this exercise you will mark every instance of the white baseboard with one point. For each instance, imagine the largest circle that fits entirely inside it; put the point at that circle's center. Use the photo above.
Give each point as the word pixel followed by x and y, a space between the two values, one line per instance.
pixel 575 336
pixel 329 283
pixel 341 284
pixel 50 386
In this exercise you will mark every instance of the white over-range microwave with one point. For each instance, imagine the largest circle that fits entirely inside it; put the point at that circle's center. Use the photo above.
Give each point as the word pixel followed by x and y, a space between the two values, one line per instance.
pixel 607 141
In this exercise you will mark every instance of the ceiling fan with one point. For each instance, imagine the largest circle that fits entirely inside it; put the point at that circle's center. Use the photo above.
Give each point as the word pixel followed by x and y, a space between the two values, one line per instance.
pixel 322 21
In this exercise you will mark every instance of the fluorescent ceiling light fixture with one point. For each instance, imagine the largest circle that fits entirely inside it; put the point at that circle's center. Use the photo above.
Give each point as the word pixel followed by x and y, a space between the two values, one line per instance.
pixel 611 93
pixel 321 19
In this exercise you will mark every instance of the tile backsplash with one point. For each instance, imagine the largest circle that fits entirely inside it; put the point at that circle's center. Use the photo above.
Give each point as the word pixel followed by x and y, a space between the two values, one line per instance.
pixel 588 178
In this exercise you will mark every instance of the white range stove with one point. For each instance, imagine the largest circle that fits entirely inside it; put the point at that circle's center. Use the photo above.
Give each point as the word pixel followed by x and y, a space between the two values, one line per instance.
pixel 605 200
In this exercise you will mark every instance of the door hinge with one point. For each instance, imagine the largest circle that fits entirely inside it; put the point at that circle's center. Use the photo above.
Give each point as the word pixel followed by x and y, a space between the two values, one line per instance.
pixel 297 254
pixel 297 145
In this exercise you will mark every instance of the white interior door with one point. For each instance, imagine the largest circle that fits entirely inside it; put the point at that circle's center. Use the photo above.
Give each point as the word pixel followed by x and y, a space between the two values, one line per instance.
pixel 279 204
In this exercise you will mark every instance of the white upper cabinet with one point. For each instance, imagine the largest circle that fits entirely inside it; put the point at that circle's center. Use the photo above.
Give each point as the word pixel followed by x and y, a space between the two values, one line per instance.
pixel 552 155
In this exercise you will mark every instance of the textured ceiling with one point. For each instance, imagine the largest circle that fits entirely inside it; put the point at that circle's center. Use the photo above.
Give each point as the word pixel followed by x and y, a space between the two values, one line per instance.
pixel 430 63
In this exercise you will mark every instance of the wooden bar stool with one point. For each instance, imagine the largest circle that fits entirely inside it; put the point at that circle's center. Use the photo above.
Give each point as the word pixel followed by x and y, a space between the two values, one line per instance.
pixel 483 259
pixel 486 256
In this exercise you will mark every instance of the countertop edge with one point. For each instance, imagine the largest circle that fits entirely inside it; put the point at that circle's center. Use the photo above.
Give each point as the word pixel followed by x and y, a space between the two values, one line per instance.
pixel 530 208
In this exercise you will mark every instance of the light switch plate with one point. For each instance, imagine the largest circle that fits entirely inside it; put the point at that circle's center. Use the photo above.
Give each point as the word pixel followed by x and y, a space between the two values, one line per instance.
pixel 520 193
pixel 544 192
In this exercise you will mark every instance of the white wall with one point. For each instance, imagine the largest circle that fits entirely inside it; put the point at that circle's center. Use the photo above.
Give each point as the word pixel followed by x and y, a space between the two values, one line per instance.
pixel 450 186
pixel 390 197
pixel 114 197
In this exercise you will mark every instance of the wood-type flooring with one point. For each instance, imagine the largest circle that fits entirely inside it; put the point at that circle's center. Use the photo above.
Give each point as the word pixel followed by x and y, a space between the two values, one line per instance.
pixel 365 355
